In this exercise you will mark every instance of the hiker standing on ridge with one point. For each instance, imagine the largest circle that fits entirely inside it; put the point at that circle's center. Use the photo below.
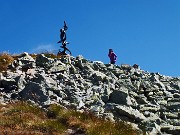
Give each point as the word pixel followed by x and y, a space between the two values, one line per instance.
pixel 112 56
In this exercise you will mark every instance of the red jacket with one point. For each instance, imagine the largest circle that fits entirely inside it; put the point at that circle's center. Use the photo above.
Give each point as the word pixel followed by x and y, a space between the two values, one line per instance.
pixel 112 56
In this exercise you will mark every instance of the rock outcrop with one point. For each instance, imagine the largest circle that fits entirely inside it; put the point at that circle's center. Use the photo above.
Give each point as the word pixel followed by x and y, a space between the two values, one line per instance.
pixel 149 100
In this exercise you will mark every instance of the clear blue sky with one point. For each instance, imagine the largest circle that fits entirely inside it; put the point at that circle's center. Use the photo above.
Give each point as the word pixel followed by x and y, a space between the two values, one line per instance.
pixel 145 32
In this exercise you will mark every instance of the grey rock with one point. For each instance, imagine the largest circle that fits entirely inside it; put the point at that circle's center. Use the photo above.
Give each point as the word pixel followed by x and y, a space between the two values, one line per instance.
pixel 175 130
pixel 21 82
pixel 99 66
pixel 58 69
pixel 170 115
pixel 155 129
pixel 35 92
pixel 80 104
pixel 150 109
pixel 141 99
pixel 105 98
pixel 8 84
pixel 176 85
pixel 98 76
pixel 173 105
pixel 108 116
pixel 25 58
pixel 43 61
pixel 109 91
pixel 176 95
pixel 120 96
pixel 130 113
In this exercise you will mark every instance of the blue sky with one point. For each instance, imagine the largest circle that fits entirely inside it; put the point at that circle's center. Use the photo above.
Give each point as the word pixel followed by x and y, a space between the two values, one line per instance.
pixel 145 32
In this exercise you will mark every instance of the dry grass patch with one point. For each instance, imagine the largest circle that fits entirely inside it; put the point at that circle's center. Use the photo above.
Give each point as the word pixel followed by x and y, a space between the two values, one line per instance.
pixel 23 116
pixel 5 60
pixel 56 120
pixel 89 124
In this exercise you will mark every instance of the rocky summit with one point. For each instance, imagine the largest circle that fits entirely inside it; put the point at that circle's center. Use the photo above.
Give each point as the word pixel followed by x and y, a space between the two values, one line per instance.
pixel 148 101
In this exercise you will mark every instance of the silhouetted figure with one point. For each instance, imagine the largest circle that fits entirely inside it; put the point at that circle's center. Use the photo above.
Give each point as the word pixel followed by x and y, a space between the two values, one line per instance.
pixel 112 56
pixel 63 33
pixel 63 40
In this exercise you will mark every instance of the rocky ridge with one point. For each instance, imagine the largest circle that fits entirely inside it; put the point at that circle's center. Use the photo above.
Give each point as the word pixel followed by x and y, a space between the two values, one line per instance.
pixel 149 101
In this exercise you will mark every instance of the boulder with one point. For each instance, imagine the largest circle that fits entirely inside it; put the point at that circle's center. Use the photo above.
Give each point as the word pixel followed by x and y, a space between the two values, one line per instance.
pixel 131 113
pixel 98 76
pixel 25 58
pixel 43 61
pixel 34 92
pixel 120 96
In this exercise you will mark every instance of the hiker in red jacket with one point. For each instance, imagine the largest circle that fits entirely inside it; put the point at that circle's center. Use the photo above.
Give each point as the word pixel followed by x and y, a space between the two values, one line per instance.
pixel 112 56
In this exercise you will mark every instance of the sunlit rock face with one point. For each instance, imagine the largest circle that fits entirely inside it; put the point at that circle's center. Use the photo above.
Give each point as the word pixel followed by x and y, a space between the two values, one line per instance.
pixel 150 101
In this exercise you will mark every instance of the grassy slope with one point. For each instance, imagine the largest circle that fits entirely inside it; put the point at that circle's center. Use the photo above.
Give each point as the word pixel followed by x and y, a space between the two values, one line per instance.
pixel 24 118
